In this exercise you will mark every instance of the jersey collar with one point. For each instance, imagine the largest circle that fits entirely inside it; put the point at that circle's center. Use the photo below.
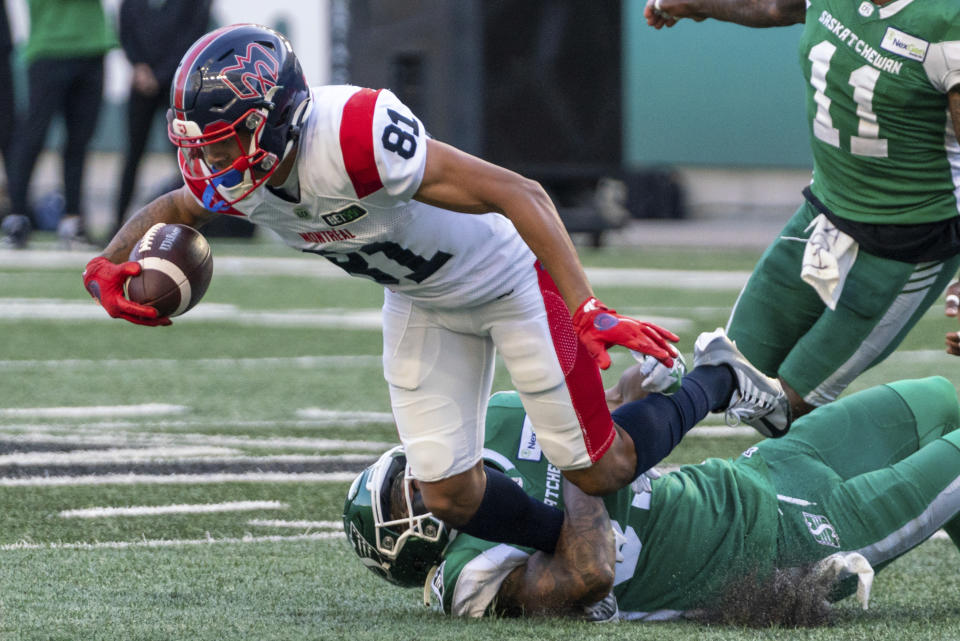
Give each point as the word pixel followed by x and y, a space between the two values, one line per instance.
pixel 893 8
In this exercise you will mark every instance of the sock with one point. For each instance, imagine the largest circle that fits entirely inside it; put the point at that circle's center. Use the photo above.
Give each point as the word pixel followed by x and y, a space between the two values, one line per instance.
pixel 952 528
pixel 507 514
pixel 658 422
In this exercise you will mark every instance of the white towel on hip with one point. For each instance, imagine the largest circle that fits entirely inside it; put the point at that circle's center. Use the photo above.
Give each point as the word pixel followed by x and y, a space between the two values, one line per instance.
pixel 827 259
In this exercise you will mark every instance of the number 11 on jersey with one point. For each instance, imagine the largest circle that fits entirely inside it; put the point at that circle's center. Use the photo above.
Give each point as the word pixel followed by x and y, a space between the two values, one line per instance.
pixel 863 79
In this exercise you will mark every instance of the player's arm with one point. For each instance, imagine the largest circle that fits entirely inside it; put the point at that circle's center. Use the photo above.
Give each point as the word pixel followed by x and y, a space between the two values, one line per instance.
pixel 105 275
pixel 178 206
pixel 749 13
pixel 580 572
pixel 458 181
pixel 953 101
pixel 952 300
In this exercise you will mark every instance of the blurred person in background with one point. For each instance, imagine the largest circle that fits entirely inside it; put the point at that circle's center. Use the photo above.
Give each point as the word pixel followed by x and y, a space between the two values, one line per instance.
pixel 7 105
pixel 154 35
pixel 64 54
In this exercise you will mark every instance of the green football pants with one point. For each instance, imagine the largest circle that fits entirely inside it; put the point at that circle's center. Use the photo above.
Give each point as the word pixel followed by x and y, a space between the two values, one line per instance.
pixel 877 472
pixel 783 327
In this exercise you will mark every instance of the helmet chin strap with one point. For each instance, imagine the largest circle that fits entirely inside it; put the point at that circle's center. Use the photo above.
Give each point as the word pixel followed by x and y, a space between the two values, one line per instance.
pixel 303 110
pixel 234 183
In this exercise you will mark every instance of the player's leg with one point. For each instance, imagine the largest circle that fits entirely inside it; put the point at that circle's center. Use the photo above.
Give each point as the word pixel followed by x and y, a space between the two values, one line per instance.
pixel 561 391
pixel 559 385
pixel 141 109
pixel 47 84
pixel 7 105
pixel 81 110
pixel 881 301
pixel 871 473
pixel 439 381
pixel 860 433
pixel 775 308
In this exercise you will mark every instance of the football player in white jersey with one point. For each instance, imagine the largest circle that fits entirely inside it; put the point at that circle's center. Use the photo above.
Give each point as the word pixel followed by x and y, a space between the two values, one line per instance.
pixel 350 174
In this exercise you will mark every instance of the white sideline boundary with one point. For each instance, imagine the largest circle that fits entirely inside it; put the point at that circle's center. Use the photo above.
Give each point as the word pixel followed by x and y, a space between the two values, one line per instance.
pixel 168 543
pixel 153 510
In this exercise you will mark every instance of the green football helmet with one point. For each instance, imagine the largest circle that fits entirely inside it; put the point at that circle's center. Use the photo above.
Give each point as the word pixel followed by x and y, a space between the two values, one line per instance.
pixel 401 550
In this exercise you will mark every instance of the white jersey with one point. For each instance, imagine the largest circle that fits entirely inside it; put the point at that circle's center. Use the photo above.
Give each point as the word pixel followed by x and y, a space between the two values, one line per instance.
pixel 361 159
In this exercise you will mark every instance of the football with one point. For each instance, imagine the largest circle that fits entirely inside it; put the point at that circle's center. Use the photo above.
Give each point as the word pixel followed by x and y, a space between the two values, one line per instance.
pixel 176 269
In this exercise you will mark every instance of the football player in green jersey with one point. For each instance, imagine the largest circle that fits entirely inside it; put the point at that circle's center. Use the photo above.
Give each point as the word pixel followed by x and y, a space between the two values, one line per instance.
pixel 799 515
pixel 880 217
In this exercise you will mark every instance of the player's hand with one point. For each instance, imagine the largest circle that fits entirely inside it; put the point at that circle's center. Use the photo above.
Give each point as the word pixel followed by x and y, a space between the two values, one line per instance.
pixel 666 13
pixel 599 328
pixel 104 280
pixel 952 308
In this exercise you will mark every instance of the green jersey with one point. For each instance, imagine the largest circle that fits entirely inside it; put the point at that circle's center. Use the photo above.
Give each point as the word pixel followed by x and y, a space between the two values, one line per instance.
pixel 75 29
pixel 786 502
pixel 686 528
pixel 884 148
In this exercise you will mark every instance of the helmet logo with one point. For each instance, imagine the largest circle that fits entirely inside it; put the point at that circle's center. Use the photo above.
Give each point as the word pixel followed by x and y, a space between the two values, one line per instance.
pixel 258 72
pixel 363 548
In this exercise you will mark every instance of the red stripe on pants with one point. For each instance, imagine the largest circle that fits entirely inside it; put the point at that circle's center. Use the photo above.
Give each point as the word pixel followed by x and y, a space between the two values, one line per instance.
pixel 579 370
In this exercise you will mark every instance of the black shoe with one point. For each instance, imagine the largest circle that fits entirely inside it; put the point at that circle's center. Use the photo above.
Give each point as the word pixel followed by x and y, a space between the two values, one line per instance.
pixel 71 236
pixel 16 230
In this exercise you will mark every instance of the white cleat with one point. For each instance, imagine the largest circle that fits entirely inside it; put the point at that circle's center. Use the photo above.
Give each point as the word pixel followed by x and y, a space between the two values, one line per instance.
pixel 759 401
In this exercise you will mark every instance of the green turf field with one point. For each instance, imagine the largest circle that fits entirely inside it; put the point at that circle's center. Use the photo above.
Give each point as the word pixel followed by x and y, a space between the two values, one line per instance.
pixel 186 482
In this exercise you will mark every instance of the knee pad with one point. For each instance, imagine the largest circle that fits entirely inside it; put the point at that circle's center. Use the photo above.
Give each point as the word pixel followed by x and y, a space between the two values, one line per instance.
pixel 531 360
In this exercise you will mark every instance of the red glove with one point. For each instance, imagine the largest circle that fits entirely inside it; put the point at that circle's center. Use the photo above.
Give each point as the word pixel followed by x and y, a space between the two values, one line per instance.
pixel 104 280
pixel 599 328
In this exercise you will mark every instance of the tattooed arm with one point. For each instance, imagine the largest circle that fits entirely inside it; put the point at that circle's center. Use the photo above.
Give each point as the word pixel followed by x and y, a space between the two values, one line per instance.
pixel 578 573
pixel 177 206
pixel 749 13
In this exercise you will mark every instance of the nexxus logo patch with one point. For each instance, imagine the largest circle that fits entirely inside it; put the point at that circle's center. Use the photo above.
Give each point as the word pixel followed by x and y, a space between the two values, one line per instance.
pixel 344 216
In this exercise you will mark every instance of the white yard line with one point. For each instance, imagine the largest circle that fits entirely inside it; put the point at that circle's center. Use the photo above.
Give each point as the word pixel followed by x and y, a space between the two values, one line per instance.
pixel 96 411
pixel 42 433
pixel 165 543
pixel 353 319
pixel 314 267
pixel 134 456
pixel 347 419
pixel 179 479
pixel 721 431
pixel 311 525
pixel 66 309
pixel 293 362
pixel 338 416
pixel 120 455
pixel 153 510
